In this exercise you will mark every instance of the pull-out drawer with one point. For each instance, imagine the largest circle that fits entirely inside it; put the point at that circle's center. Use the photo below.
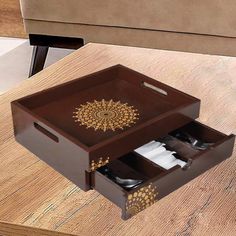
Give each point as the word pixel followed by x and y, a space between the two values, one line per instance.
pixel 157 181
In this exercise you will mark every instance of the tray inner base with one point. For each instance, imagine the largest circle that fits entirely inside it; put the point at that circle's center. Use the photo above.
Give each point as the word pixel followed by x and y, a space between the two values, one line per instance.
pixel 59 110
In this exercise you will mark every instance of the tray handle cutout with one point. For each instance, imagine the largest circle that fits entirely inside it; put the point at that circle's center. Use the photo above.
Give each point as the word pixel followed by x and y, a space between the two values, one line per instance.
pixel 156 89
pixel 46 132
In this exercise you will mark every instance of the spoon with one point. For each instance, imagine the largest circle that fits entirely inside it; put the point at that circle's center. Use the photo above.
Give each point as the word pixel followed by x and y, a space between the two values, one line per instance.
pixel 126 183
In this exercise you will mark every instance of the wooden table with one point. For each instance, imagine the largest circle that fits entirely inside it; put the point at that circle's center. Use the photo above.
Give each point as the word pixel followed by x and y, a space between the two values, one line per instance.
pixel 33 194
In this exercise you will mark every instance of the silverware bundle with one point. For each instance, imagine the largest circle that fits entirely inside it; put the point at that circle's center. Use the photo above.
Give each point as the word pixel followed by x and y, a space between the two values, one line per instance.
pixel 157 153
pixel 194 142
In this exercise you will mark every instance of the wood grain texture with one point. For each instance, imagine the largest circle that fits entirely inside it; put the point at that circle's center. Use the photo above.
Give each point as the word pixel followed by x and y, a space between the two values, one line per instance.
pixel 11 22
pixel 33 194
pixel 7 229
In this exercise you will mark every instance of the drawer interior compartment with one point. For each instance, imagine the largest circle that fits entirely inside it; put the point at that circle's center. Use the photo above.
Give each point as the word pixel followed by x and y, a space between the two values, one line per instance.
pixel 134 182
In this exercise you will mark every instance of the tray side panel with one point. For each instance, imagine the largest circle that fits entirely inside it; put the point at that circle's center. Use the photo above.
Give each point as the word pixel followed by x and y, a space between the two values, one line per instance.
pixel 52 148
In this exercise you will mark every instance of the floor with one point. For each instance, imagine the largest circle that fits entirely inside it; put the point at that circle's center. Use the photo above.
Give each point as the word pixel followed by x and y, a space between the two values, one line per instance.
pixel 15 55
pixel 7 44
pixel 11 23
pixel 15 51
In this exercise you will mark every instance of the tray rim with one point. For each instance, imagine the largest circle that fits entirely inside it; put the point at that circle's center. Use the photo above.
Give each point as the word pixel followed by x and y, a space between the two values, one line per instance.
pixel 192 100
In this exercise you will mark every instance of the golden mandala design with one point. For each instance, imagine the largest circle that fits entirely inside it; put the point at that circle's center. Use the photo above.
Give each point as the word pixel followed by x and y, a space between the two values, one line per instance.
pixel 141 199
pixel 106 115
pixel 101 162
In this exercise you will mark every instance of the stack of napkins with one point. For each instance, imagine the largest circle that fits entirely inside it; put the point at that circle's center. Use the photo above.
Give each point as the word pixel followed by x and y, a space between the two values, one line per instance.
pixel 157 153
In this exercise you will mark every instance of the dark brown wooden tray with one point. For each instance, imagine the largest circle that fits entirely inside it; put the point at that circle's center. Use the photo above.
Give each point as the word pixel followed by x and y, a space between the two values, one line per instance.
pixel 118 110
pixel 139 109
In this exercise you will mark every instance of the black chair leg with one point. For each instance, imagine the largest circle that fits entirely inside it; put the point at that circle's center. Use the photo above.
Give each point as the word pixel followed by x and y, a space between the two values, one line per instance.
pixel 38 59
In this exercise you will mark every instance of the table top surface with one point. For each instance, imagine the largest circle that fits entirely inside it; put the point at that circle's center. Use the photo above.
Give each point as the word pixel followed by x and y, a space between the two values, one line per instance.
pixel 33 194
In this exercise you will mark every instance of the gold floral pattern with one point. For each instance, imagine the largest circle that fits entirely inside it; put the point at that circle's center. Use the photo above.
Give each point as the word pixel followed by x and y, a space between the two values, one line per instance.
pixel 106 115
pixel 101 162
pixel 141 199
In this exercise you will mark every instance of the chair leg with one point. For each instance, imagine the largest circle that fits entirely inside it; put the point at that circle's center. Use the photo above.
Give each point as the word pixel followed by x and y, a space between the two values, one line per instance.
pixel 38 59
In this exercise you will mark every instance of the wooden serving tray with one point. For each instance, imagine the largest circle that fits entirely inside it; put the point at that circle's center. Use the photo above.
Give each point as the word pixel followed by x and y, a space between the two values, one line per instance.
pixel 97 120
pixel 83 124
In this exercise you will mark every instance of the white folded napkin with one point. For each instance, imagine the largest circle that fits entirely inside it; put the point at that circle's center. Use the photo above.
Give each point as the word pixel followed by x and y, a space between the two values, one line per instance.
pixel 155 152
pixel 148 147
pixel 162 157
pixel 158 154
